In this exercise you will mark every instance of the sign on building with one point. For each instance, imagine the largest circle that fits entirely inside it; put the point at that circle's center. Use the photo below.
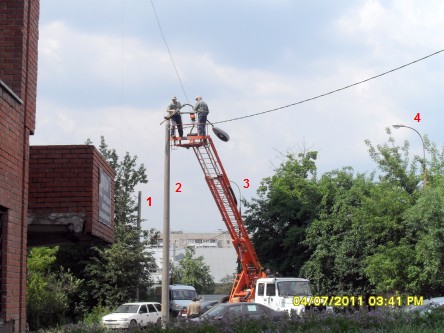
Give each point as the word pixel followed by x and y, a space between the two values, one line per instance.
pixel 104 198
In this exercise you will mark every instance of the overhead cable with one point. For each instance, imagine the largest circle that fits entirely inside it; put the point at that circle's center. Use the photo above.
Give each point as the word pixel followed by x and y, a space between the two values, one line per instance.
pixel 169 51
pixel 330 92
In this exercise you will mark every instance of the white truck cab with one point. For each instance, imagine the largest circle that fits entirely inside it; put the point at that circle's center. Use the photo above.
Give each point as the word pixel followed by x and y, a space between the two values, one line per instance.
pixel 278 292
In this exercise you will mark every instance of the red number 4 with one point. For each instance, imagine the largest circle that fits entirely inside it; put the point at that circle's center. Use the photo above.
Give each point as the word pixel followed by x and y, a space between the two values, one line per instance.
pixel 417 117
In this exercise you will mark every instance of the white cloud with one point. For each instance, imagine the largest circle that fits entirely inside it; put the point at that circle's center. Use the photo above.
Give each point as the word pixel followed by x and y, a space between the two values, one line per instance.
pixel 391 28
pixel 92 84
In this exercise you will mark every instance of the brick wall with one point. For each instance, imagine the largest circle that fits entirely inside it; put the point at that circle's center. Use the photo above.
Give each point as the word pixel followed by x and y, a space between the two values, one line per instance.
pixel 64 195
pixel 18 82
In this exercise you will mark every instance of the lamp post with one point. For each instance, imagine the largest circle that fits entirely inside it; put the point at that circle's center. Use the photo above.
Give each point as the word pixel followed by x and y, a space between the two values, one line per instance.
pixel 424 170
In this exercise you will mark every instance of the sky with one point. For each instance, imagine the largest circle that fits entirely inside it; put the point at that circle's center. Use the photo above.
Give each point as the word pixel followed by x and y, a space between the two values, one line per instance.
pixel 104 69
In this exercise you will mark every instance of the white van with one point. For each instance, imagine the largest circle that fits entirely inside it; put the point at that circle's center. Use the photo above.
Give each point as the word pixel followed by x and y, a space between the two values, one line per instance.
pixel 180 296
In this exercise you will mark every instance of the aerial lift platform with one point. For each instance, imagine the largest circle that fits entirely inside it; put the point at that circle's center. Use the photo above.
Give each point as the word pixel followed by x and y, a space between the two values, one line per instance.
pixel 244 285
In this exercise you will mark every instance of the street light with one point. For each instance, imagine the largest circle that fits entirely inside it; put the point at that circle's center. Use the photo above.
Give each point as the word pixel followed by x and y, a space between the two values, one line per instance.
pixel 424 170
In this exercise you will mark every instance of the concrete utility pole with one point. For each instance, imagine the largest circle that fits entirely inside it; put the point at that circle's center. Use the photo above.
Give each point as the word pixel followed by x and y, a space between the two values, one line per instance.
pixel 166 228
pixel 139 219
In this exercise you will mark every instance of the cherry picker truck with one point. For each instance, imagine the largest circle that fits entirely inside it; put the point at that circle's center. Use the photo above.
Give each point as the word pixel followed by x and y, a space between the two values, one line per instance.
pixel 251 284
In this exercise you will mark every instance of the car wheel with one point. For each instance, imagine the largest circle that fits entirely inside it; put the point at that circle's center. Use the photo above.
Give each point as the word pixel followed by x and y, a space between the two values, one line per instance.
pixel 132 325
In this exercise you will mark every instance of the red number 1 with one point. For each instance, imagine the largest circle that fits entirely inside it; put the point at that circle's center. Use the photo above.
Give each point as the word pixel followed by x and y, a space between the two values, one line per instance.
pixel 417 117
pixel 149 201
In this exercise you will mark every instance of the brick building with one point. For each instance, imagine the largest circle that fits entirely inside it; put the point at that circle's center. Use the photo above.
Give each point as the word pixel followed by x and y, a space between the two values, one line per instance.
pixel 18 83
pixel 69 196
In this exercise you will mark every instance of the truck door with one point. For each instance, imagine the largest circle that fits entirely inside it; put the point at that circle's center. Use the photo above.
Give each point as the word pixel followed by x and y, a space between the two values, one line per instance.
pixel 260 293
pixel 270 295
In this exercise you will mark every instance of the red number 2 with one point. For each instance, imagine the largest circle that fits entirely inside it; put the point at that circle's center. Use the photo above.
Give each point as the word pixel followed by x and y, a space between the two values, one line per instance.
pixel 178 188
pixel 417 117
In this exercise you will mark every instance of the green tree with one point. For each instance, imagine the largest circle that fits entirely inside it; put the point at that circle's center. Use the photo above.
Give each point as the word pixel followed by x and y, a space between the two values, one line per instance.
pixel 396 212
pixel 193 271
pixel 285 206
pixel 425 221
pixel 335 238
pixel 128 176
pixel 116 271
pixel 394 163
pixel 49 289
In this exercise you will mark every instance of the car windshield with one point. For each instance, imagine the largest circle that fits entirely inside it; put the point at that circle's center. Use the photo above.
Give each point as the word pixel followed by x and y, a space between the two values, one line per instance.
pixel 127 308
pixel 183 294
pixel 214 312
pixel 293 288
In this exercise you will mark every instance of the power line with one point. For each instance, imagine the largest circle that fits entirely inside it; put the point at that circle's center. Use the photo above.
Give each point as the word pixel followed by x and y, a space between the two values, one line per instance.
pixel 330 92
pixel 169 51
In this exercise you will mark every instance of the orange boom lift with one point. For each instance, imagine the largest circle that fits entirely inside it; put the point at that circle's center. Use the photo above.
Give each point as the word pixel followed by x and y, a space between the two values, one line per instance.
pixel 244 284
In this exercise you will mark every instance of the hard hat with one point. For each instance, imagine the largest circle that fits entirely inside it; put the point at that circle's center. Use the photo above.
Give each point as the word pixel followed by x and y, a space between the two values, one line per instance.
pixel 198 98
pixel 174 98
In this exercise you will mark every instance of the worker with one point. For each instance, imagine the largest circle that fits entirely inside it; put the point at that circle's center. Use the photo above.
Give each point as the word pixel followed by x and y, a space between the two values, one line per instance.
pixel 193 309
pixel 268 273
pixel 175 116
pixel 202 112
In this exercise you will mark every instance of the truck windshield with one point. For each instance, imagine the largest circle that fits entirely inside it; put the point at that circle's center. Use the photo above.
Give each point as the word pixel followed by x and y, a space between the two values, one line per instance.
pixel 294 288
pixel 183 294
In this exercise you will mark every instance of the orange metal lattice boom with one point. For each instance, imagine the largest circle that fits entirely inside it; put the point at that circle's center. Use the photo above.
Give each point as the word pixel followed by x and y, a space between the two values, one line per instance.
pixel 219 185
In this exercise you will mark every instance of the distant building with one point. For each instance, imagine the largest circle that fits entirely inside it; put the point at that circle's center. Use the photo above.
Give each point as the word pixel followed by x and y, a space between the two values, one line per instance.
pixel 215 247
pixel 179 239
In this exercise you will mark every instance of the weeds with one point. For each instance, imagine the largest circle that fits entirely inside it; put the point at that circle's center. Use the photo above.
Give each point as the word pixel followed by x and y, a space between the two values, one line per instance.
pixel 378 321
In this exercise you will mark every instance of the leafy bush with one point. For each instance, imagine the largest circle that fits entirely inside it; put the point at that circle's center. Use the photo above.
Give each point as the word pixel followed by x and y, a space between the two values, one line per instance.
pixel 96 314
pixel 379 321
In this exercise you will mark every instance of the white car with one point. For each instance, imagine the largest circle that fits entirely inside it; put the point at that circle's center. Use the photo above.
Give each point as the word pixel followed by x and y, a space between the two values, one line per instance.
pixel 130 315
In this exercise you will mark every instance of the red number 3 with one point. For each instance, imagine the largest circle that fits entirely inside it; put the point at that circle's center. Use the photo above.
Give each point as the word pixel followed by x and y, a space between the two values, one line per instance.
pixel 247 183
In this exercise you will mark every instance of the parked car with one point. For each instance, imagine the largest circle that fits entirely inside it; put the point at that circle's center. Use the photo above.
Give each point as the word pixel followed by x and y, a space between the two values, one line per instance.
pixel 431 303
pixel 204 307
pixel 250 310
pixel 207 305
pixel 130 315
